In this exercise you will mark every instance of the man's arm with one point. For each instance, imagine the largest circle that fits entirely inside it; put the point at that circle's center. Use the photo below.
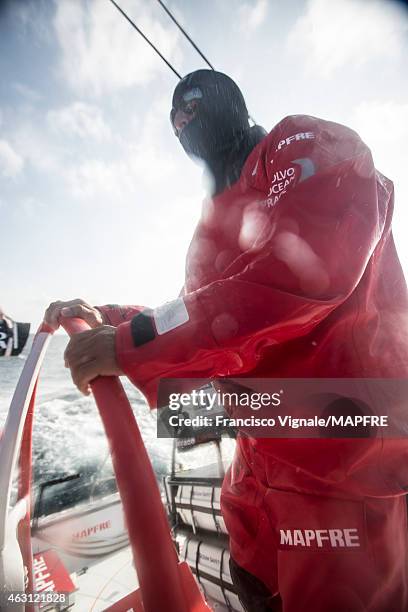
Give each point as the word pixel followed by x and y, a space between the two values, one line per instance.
pixel 113 314
pixel 317 234
pixel 90 353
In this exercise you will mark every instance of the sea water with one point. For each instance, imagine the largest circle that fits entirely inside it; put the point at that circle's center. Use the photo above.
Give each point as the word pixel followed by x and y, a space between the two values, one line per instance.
pixel 68 436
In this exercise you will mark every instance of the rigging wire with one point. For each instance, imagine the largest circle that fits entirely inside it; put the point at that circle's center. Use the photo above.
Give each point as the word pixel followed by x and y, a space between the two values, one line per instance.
pixel 191 41
pixel 139 31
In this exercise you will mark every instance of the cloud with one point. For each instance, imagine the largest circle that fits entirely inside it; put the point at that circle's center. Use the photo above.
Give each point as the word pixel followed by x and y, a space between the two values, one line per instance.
pixel 138 167
pixel 332 34
pixel 31 207
pixel 11 163
pixel 127 163
pixel 27 92
pixel 94 178
pixel 251 16
pixel 102 53
pixel 137 163
pixel 383 125
pixel 79 119
pixel 33 140
pixel 32 19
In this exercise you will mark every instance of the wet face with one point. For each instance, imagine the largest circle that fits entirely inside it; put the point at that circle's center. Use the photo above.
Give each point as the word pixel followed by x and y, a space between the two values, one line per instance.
pixel 208 115
pixel 183 115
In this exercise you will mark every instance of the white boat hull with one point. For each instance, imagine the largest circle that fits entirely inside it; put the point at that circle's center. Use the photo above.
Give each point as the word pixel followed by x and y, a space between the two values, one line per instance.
pixel 83 535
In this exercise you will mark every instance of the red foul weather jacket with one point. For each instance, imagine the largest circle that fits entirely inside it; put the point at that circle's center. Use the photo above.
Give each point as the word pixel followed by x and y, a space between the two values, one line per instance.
pixel 291 272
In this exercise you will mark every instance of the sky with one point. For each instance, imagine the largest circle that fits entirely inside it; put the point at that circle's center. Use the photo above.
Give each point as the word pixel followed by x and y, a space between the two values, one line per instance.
pixel 97 198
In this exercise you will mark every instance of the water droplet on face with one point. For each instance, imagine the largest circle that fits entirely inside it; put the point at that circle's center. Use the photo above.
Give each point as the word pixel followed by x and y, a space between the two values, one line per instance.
pixel 303 262
pixel 224 326
pixel 208 212
pixel 223 259
pixel 202 250
pixel 253 226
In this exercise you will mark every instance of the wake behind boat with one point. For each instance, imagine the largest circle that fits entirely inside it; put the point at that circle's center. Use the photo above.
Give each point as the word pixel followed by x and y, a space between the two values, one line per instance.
pixel 90 538
pixel 76 543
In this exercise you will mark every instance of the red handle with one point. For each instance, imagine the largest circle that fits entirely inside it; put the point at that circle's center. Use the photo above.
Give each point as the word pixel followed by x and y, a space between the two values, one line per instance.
pixel 153 550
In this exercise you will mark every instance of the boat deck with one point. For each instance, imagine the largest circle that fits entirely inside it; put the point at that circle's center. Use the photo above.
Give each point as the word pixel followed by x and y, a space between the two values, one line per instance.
pixel 105 583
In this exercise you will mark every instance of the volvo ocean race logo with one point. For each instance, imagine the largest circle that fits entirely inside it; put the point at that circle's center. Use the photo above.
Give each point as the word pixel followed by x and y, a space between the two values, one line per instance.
pixel 302 169
pixel 280 180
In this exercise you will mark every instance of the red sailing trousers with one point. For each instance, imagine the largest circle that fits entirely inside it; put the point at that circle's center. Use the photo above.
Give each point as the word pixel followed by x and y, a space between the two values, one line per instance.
pixel 320 553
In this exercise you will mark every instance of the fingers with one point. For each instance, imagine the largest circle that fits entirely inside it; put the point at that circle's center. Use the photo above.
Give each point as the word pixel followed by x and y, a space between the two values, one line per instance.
pixel 82 375
pixel 53 312
pixel 83 311
pixel 77 360
pixel 80 359
pixel 72 308
pixel 51 315
pixel 80 349
pixel 90 354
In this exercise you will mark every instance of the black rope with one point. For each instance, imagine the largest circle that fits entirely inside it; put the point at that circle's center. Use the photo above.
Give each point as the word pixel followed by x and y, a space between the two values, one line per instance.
pixel 185 34
pixel 139 31
pixel 191 41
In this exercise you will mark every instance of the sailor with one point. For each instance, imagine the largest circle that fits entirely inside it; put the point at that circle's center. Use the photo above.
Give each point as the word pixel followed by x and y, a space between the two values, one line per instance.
pixel 292 272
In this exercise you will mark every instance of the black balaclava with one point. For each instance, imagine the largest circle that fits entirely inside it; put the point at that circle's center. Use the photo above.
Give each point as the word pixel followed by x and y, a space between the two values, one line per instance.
pixel 219 133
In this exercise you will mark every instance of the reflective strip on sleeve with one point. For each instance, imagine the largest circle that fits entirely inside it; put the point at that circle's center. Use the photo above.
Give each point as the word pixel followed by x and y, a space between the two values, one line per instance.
pixel 170 315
